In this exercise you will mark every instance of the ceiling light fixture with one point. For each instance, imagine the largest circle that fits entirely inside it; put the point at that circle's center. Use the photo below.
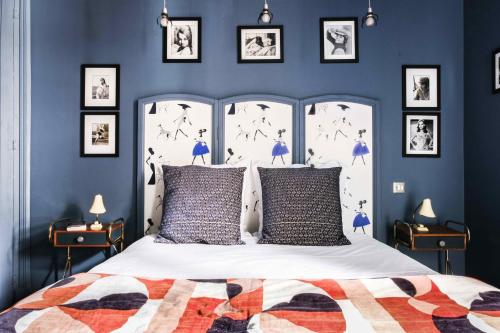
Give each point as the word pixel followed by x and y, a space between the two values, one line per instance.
pixel 370 19
pixel 265 16
pixel 162 20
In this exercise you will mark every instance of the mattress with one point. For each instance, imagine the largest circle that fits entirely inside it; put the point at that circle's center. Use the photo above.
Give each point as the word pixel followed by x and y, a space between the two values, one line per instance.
pixel 364 258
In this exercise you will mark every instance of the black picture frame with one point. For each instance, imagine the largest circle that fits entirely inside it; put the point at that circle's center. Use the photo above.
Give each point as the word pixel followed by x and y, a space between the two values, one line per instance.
pixel 322 22
pixel 405 106
pixel 84 86
pixel 496 71
pixel 165 34
pixel 82 133
pixel 239 31
pixel 405 137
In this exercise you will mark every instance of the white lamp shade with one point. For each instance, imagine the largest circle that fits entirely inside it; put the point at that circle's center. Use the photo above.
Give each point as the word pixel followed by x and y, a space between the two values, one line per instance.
pixel 97 205
pixel 426 209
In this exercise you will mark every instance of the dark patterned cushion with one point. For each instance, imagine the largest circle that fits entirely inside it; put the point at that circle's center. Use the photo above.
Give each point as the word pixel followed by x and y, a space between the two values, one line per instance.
pixel 201 205
pixel 301 206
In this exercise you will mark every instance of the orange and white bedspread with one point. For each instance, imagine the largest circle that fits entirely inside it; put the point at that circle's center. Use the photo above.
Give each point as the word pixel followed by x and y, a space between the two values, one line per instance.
pixel 112 303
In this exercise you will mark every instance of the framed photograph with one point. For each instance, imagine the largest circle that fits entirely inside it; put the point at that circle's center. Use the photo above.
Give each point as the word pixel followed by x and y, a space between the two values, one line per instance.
pixel 496 71
pixel 260 44
pixel 339 39
pixel 182 40
pixel 421 134
pixel 421 87
pixel 100 87
pixel 99 134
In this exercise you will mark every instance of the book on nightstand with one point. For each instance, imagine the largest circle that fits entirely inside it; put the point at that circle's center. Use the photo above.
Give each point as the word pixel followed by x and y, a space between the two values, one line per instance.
pixel 76 227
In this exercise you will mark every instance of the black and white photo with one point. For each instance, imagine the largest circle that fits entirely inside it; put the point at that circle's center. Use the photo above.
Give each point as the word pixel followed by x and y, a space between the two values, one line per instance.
pixel 339 40
pixel 421 87
pixel 496 71
pixel 100 87
pixel 260 44
pixel 99 134
pixel 421 134
pixel 182 40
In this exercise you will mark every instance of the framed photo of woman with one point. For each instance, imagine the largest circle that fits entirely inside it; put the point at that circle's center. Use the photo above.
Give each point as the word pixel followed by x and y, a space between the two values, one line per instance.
pixel 339 39
pixel 421 134
pixel 421 87
pixel 99 134
pixel 182 40
pixel 496 71
pixel 100 87
pixel 260 44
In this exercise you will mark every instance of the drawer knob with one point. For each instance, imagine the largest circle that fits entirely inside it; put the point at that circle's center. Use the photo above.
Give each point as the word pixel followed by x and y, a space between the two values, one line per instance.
pixel 442 243
pixel 80 239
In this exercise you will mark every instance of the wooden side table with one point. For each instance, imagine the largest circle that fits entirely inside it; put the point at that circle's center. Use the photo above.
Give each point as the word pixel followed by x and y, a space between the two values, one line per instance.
pixel 111 235
pixel 439 238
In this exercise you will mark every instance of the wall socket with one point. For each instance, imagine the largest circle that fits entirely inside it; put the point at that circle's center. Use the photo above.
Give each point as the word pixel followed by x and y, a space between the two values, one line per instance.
pixel 398 187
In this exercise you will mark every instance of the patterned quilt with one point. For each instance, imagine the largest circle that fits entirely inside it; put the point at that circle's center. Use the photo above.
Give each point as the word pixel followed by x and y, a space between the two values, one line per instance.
pixel 112 303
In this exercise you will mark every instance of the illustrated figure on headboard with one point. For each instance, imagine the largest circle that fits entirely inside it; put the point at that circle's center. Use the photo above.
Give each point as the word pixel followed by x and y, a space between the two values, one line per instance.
pixel 181 120
pixel 242 133
pixel 257 123
pixel 280 147
pixel 163 132
pixel 360 149
pixel 150 225
pixel 312 160
pixel 151 162
pixel 341 125
pixel 200 148
pixel 322 131
pixel 230 159
pixel 361 219
pixel 160 201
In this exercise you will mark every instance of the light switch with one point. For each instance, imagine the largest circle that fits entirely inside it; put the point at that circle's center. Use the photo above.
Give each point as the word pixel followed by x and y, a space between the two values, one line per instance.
pixel 398 187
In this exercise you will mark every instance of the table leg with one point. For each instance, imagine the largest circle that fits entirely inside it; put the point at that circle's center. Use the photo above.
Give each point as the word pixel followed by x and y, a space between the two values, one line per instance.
pixel 67 266
pixel 447 267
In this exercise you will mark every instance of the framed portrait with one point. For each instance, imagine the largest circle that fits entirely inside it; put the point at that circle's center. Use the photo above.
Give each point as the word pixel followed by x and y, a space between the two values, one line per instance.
pixel 339 39
pixel 99 134
pixel 421 87
pixel 100 87
pixel 496 71
pixel 421 134
pixel 182 40
pixel 260 44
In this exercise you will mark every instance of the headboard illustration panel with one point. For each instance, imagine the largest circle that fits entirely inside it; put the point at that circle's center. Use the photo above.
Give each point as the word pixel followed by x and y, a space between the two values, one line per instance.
pixel 177 130
pixel 339 132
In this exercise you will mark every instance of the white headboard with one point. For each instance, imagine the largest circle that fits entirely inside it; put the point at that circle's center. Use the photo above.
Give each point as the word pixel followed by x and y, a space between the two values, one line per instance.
pixel 332 130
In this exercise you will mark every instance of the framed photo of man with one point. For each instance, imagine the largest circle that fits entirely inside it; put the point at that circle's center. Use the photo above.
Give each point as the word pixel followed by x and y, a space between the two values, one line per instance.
pixel 421 134
pixel 339 39
pixel 182 40
pixel 260 44
pixel 421 87
pixel 100 87
pixel 496 71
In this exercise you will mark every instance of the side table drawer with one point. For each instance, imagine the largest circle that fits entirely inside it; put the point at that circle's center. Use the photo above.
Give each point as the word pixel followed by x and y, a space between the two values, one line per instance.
pixel 440 243
pixel 83 239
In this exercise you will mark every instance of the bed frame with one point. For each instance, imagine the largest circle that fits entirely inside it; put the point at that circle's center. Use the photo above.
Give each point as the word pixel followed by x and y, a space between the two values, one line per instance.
pixel 321 131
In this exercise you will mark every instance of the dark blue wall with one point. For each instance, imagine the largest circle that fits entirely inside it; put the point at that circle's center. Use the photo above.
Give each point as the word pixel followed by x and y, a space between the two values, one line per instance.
pixel 69 33
pixel 482 158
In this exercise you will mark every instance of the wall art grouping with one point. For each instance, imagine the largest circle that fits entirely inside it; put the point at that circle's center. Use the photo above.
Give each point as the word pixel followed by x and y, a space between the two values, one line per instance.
pixel 259 130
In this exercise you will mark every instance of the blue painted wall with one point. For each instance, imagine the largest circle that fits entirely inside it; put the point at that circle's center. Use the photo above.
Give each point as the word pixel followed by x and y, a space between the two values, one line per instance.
pixel 482 158
pixel 69 33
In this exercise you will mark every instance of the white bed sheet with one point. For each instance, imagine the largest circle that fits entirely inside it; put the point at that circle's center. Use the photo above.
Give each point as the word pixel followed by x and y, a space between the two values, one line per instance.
pixel 364 258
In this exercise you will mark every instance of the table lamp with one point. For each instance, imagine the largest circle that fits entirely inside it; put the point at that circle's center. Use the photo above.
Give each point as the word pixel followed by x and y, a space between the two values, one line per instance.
pixel 424 209
pixel 97 208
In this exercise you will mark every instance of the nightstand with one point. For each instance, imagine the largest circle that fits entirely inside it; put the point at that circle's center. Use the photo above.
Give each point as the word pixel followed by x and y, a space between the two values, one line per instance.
pixel 438 238
pixel 111 235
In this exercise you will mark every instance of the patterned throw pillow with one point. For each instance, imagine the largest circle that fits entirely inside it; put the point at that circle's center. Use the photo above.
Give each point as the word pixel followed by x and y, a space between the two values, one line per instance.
pixel 201 205
pixel 301 207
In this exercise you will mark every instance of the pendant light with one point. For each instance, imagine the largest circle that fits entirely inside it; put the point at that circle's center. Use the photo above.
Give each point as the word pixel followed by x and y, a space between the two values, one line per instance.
pixel 265 16
pixel 370 19
pixel 162 20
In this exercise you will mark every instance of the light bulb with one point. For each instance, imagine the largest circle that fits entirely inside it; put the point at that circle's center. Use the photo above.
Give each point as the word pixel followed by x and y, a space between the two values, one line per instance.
pixel 370 21
pixel 163 20
pixel 265 18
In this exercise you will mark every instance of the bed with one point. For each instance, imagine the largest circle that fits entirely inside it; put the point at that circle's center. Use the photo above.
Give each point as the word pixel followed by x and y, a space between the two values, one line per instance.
pixel 361 286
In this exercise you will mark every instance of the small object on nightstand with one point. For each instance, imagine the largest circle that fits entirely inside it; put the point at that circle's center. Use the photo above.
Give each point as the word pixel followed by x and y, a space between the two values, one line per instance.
pixel 97 208
pixel 107 237
pixel 79 226
pixel 420 227
pixel 436 238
